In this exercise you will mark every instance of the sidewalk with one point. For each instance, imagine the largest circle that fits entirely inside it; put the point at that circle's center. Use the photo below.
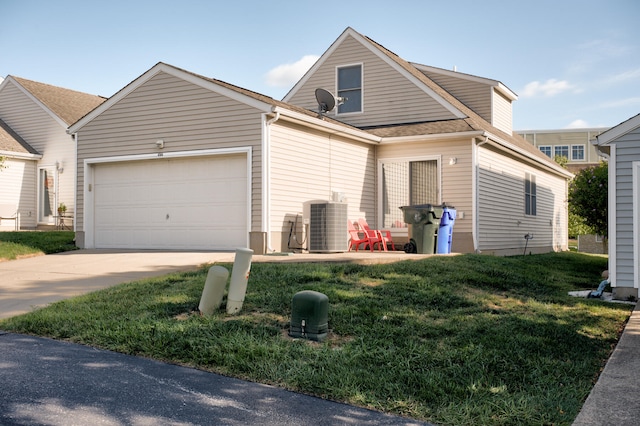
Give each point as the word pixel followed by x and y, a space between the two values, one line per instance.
pixel 614 398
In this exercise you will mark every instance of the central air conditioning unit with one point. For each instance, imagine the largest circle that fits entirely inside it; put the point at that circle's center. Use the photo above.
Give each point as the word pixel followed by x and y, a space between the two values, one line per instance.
pixel 327 226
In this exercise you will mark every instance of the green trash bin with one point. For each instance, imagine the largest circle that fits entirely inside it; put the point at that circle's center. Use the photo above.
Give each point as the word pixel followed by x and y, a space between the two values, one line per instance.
pixel 423 221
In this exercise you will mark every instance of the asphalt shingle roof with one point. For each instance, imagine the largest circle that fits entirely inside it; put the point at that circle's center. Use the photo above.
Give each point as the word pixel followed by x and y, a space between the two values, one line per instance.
pixel 10 141
pixel 67 104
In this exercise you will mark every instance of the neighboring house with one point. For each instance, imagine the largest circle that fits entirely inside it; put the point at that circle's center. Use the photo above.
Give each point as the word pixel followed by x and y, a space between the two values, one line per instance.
pixel 574 144
pixel 40 166
pixel 622 144
pixel 177 160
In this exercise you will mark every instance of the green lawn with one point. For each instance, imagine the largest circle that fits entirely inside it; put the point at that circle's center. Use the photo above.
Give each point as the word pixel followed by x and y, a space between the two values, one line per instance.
pixel 455 340
pixel 32 243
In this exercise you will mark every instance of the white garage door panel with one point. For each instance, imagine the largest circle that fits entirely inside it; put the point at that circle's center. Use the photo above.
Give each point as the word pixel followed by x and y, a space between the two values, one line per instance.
pixel 187 203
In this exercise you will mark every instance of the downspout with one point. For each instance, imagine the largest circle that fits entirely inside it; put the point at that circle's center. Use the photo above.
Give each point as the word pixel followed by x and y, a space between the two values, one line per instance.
pixel 75 180
pixel 266 181
pixel 474 189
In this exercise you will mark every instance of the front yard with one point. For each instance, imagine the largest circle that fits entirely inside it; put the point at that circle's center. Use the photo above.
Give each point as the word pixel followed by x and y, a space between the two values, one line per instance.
pixel 454 340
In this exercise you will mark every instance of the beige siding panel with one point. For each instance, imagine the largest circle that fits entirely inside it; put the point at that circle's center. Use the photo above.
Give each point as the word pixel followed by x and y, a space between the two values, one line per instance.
pixel 475 95
pixel 456 179
pixel 187 117
pixel 388 97
pixel 308 166
pixel 45 134
pixel 502 222
pixel 18 188
pixel 502 113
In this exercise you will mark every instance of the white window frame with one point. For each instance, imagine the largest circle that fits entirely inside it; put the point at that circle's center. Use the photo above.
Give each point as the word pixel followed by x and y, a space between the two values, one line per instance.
pixel 546 146
pixel 531 196
pixel 338 68
pixel 584 152
pixel 555 148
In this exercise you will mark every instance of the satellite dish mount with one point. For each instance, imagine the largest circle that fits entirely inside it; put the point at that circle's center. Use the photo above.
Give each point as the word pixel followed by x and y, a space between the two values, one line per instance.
pixel 326 101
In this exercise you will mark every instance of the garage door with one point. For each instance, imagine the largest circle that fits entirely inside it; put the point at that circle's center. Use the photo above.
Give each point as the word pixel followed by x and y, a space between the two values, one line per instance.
pixel 184 203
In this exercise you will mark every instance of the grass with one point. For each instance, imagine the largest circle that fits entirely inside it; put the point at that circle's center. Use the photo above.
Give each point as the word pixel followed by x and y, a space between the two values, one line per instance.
pixel 460 340
pixel 14 245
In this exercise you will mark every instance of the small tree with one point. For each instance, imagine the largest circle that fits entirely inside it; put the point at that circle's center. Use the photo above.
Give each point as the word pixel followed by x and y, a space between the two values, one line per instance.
pixel 588 196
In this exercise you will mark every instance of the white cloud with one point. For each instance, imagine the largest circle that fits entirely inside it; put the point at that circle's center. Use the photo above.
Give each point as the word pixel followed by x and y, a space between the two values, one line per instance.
pixel 286 75
pixel 549 88
pixel 624 77
pixel 577 124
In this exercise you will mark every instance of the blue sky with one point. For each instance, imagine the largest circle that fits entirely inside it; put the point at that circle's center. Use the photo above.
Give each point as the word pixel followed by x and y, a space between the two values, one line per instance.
pixel 572 63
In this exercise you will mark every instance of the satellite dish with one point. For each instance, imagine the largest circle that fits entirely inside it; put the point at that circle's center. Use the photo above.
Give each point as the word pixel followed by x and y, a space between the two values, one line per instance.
pixel 326 100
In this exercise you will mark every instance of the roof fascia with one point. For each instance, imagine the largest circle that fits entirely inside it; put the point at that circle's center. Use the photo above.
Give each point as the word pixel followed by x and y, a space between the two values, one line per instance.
pixel 325 126
pixel 439 136
pixel 21 155
pixel 615 132
pixel 477 79
pixel 511 148
pixel 155 70
pixel 37 101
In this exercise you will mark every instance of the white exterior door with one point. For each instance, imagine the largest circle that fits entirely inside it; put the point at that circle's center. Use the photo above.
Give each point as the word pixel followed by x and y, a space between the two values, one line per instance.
pixel 47 209
pixel 178 203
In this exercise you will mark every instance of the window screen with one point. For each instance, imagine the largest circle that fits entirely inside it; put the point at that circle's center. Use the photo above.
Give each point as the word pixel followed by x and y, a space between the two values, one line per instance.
pixel 407 183
pixel 350 87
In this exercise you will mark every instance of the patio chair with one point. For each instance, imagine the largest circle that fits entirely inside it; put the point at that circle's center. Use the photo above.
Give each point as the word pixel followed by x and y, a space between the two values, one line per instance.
pixel 382 236
pixel 356 239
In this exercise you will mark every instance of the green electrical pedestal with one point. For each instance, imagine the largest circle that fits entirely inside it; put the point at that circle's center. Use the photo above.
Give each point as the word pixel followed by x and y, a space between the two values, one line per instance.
pixel 309 315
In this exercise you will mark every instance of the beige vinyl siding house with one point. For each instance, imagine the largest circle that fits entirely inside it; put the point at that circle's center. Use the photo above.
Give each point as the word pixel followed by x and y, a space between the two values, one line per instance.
pixel 435 118
pixel 398 139
pixel 40 114
pixel 622 144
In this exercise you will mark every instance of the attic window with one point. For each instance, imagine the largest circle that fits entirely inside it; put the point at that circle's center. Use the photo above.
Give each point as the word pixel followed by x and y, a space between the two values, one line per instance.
pixel 350 87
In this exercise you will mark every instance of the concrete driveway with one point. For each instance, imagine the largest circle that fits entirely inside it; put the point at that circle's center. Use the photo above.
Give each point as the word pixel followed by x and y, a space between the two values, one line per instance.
pixel 37 281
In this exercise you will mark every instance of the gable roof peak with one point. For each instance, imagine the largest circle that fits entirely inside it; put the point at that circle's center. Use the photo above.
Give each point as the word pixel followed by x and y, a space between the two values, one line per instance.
pixel 66 104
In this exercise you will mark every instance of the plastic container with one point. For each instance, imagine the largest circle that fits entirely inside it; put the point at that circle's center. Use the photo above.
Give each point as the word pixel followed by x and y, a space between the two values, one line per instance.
pixel 423 221
pixel 445 231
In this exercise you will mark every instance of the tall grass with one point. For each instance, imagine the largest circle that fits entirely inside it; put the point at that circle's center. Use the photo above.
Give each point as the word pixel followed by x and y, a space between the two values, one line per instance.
pixel 461 340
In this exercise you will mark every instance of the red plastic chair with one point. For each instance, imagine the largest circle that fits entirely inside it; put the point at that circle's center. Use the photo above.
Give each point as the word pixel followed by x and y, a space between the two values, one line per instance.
pixel 381 236
pixel 355 238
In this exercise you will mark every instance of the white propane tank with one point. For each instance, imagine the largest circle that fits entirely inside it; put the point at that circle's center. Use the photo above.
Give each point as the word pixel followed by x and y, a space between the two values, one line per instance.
pixel 239 278
pixel 213 290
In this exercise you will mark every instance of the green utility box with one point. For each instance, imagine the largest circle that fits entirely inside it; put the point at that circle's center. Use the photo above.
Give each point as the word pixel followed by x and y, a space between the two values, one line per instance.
pixel 309 315
pixel 423 221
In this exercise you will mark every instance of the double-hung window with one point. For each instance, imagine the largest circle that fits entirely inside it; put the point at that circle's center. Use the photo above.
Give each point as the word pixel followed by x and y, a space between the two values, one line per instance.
pixel 407 183
pixel 561 151
pixel 350 88
pixel 546 150
pixel 530 194
pixel 577 152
